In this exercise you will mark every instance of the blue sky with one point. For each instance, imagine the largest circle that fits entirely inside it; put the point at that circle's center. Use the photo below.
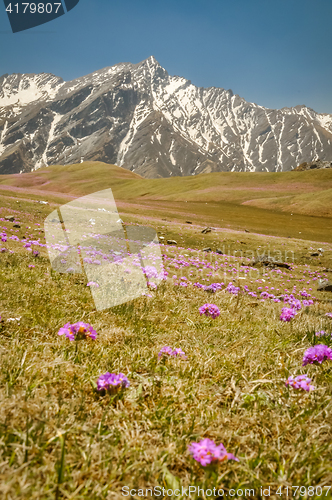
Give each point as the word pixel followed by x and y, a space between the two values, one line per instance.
pixel 274 53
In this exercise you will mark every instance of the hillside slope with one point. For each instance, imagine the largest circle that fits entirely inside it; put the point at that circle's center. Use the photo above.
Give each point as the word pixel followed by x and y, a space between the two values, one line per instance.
pixel 306 193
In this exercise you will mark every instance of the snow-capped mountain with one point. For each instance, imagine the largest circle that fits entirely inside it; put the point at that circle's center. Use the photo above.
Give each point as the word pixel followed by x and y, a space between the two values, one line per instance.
pixel 139 117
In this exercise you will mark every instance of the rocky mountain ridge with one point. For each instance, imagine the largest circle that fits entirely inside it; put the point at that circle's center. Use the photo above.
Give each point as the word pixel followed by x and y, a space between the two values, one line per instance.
pixel 311 165
pixel 139 117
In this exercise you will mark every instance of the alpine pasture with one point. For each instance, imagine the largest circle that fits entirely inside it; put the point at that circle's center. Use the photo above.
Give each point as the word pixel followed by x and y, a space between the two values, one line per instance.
pixel 206 381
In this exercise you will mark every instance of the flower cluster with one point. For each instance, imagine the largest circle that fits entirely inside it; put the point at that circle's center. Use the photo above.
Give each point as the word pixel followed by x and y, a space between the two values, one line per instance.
pixel 317 353
pixel 300 382
pixel 168 351
pixel 206 452
pixel 112 382
pixel 321 333
pixel 287 313
pixel 78 331
pixel 150 271
pixel 213 287
pixel 295 304
pixel 233 289
pixel 209 310
pixel 329 315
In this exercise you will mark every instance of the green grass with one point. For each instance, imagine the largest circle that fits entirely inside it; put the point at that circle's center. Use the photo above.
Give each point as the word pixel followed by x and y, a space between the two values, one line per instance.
pixel 58 439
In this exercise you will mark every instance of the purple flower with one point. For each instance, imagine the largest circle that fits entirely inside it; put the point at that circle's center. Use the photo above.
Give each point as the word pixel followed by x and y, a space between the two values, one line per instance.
pixel 287 314
pixel 150 271
pixel 78 331
pixel 321 333
pixel 300 382
pixel 87 260
pixel 209 310
pixel 165 351
pixel 93 283
pixel 295 304
pixel 179 353
pixel 317 353
pixel 152 284
pixel 213 287
pixel 65 330
pixel 206 452
pixel 232 289
pixel 112 382
pixel 168 351
pixel 329 315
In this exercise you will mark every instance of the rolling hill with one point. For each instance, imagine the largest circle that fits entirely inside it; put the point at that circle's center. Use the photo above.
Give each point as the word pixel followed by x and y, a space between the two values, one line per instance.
pixel 305 193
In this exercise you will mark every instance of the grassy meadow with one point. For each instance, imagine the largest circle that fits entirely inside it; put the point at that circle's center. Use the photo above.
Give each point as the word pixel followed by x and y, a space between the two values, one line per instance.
pixel 288 204
pixel 60 439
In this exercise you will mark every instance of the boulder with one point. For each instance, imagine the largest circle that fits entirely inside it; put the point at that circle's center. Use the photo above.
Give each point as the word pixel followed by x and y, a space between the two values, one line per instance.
pixel 207 249
pixel 10 218
pixel 315 254
pixel 17 225
pixel 171 242
pixel 219 251
pixel 188 222
pixel 206 230
pixel 326 286
pixel 268 262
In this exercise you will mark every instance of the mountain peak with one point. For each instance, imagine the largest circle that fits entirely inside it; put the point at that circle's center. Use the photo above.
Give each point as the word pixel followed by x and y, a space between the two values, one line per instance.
pixel 152 60
pixel 141 118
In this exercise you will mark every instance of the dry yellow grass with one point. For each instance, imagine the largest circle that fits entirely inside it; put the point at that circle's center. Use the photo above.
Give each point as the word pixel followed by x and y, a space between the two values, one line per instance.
pixel 58 439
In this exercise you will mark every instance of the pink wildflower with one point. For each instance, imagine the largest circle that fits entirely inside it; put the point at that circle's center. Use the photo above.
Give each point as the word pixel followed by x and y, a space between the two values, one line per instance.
pixel 209 310
pixel 206 452
pixel 300 382
pixel 317 353
pixel 78 331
